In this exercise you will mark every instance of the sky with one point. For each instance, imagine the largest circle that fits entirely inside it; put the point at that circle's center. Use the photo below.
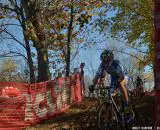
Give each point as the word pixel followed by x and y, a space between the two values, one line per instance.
pixel 92 55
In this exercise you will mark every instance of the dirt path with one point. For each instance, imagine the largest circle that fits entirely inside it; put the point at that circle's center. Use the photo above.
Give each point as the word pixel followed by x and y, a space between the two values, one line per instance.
pixel 145 111
pixel 82 116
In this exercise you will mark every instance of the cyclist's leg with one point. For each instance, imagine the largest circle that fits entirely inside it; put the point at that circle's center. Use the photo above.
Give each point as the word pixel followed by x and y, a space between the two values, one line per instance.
pixel 121 86
pixel 129 109
pixel 123 90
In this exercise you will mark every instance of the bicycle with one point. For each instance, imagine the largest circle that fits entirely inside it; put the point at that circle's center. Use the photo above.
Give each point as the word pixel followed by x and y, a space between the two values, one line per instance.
pixel 109 116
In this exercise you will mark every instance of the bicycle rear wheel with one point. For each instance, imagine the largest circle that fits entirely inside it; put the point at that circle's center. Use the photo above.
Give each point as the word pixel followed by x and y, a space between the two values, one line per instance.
pixel 107 118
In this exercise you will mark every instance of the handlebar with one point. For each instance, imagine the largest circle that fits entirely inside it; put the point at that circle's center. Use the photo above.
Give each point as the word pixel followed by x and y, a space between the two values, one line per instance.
pixel 103 90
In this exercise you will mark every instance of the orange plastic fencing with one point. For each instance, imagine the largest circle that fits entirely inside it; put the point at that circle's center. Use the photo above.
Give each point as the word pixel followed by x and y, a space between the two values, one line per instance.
pixel 22 105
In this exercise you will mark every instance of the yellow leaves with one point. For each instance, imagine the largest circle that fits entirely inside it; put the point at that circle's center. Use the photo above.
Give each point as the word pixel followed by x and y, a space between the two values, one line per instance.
pixel 86 3
pixel 108 1
pixel 41 26
pixel 45 57
pixel 30 33
pixel 147 59
pixel 62 56
pixel 152 55
pixel 60 36
pixel 30 28
pixel 2 16
pixel 15 16
pixel 60 44
pixel 148 76
pixel 96 4
pixel 9 65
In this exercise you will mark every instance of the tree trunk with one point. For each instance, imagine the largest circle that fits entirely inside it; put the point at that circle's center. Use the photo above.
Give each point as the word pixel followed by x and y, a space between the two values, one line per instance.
pixel 68 60
pixel 28 49
pixel 68 44
pixel 33 14
pixel 43 68
pixel 157 61
pixel 157 44
pixel 42 52
pixel 30 61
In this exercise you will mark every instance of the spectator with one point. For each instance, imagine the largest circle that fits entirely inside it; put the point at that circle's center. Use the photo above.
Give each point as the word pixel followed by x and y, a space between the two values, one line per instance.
pixel 76 70
pixel 139 86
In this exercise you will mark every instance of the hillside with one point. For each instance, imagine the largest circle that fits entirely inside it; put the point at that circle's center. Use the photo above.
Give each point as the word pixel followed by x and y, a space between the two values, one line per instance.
pixel 82 116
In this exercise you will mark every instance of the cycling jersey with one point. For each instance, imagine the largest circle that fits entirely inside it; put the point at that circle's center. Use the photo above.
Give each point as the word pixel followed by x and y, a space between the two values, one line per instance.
pixel 115 70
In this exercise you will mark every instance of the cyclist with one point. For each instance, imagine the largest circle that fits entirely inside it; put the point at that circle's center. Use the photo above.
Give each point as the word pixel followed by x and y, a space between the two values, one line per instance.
pixel 112 67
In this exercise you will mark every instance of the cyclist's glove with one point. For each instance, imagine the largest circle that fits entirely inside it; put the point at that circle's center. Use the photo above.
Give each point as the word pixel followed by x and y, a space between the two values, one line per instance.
pixel 126 103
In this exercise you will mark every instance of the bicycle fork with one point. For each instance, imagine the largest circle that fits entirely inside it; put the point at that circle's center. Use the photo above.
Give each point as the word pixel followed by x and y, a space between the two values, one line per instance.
pixel 119 115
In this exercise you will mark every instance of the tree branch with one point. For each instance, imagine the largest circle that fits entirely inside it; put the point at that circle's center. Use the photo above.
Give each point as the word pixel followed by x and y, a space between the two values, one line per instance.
pixel 131 46
pixel 77 49
pixel 10 25
pixel 14 38
pixel 131 55
pixel 7 7
pixel 12 52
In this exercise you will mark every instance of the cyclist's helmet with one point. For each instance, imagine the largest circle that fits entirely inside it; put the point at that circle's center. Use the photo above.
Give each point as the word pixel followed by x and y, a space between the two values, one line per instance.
pixel 106 53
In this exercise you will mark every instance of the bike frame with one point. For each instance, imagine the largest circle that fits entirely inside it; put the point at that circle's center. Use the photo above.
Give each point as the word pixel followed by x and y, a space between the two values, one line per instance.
pixel 110 100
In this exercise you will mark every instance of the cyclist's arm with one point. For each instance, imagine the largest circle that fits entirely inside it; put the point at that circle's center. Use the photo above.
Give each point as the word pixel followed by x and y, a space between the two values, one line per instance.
pixel 121 77
pixel 120 72
pixel 98 76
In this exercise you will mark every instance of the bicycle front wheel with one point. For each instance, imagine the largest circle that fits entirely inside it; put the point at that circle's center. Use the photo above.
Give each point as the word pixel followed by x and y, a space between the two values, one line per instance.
pixel 107 118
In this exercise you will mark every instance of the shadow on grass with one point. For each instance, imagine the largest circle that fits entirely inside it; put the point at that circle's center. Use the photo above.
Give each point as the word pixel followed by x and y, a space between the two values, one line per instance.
pixel 83 116
pixel 144 111
pixel 79 116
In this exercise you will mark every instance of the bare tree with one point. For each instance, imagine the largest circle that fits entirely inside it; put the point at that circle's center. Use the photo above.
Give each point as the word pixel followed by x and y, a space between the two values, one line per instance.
pixel 17 12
